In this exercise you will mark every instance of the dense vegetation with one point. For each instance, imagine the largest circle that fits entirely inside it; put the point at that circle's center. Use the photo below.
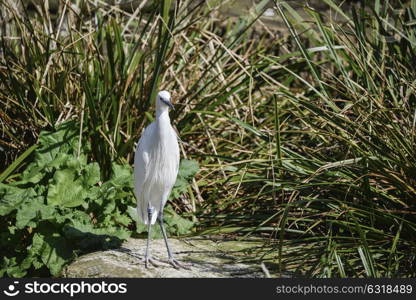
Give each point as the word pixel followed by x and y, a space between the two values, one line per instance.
pixel 306 138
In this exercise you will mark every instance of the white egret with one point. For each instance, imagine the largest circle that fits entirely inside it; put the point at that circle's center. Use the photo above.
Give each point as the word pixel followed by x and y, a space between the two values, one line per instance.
pixel 156 164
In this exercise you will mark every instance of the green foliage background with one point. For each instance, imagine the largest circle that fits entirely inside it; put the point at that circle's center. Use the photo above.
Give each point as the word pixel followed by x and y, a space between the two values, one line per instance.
pixel 60 207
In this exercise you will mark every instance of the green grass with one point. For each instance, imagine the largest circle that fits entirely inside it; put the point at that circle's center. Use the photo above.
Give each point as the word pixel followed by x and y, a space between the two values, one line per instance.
pixel 306 140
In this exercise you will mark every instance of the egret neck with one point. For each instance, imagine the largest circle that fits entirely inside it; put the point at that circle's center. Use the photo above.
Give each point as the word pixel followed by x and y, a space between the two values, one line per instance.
pixel 162 120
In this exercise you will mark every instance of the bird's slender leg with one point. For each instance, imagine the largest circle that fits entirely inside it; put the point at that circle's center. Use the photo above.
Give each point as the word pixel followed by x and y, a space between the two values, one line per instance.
pixel 172 261
pixel 147 257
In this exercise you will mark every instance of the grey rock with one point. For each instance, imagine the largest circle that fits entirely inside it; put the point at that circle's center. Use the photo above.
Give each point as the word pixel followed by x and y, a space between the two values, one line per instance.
pixel 209 258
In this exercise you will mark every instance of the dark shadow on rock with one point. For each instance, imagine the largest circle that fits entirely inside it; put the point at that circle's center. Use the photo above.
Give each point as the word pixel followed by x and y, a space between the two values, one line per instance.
pixel 89 241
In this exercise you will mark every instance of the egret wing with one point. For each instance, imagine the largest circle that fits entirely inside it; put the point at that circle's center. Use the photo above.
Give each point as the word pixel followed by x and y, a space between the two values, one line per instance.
pixel 141 170
pixel 177 155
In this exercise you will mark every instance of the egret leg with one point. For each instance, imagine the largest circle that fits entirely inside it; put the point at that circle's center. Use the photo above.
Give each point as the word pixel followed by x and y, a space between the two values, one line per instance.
pixel 172 261
pixel 147 257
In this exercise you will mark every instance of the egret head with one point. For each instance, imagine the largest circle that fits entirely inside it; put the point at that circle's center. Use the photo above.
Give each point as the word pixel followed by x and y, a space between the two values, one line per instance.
pixel 163 100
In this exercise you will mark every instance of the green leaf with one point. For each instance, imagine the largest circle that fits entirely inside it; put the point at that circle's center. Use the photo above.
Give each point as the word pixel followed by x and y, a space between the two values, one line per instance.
pixel 89 238
pixel 65 190
pixel 63 140
pixel 47 212
pixel 132 212
pixel 122 175
pixel 176 224
pixel 91 174
pixel 52 248
pixel 188 168
pixel 12 268
pixel 55 149
pixel 12 197
pixel 180 187
pixel 34 173
pixel 28 211
pixel 120 218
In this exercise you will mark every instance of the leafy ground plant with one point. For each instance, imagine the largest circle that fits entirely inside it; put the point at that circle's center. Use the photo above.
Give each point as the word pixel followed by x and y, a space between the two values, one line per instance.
pixel 59 207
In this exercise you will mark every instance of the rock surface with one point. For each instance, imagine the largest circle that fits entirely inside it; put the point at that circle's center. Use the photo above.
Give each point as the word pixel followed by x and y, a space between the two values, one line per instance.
pixel 205 257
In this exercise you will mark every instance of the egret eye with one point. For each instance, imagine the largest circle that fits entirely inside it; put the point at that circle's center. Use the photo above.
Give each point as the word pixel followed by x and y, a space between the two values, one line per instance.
pixel 167 102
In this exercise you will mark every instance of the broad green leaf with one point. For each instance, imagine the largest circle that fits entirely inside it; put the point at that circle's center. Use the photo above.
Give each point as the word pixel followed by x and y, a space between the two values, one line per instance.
pixel 177 225
pixel 28 211
pixel 12 197
pixel 12 268
pixel 91 174
pixel 52 248
pixel 34 173
pixel 63 140
pixel 179 188
pixel 132 212
pixel 120 218
pixel 188 168
pixel 65 190
pixel 122 175
pixel 87 237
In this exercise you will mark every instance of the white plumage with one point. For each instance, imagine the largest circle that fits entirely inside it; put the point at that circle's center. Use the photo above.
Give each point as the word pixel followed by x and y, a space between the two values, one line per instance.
pixel 156 162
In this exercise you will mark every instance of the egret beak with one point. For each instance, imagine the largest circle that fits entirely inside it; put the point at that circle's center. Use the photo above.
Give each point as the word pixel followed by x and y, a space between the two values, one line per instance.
pixel 168 104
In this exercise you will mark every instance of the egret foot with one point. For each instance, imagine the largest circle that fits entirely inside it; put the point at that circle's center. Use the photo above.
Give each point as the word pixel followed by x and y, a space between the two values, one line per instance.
pixel 177 265
pixel 173 262
pixel 150 260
